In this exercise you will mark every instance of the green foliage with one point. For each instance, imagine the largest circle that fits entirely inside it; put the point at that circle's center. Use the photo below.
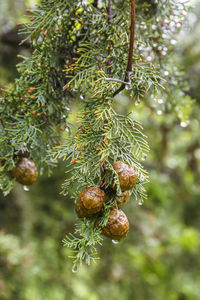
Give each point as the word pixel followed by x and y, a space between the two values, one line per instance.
pixel 160 257
pixel 79 55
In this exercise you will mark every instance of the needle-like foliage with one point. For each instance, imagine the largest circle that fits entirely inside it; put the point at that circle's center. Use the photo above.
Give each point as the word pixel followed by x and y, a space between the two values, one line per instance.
pixel 80 53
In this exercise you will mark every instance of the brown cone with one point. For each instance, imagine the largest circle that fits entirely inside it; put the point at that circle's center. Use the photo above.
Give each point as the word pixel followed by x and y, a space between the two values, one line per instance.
pixel 90 202
pixel 127 175
pixel 123 199
pixel 117 226
pixel 25 171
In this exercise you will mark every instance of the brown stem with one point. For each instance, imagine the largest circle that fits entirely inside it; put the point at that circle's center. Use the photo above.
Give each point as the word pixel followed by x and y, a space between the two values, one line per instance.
pixel 131 47
pixel 132 37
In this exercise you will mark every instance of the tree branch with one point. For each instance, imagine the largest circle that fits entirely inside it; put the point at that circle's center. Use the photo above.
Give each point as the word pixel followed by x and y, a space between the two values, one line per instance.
pixel 131 47
pixel 12 38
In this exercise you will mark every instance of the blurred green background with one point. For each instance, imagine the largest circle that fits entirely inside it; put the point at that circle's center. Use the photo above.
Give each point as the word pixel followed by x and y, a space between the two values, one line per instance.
pixel 160 258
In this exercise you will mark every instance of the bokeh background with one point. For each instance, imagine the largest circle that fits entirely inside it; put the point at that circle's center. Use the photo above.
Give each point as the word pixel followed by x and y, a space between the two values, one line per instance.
pixel 160 258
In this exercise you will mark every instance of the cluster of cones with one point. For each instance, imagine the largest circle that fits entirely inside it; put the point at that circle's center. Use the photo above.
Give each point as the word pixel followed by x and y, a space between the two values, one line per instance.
pixel 91 201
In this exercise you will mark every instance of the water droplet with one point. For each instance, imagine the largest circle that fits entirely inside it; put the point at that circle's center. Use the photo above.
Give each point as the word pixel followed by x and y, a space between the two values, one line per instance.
pixel 173 42
pixel 184 124
pixel 160 101
pixel 144 157
pixel 159 112
pixel 26 188
pixel 115 242
pixel 128 86
pixel 164 36
pixel 137 102
pixel 140 203
pixel 74 269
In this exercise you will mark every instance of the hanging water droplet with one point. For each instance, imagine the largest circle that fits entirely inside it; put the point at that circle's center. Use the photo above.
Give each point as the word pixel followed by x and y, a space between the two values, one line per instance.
pixel 128 87
pixel 173 42
pixel 164 36
pixel 74 269
pixel 184 124
pixel 144 157
pixel 160 101
pixel 159 112
pixel 140 203
pixel 26 188
pixel 137 102
pixel 115 242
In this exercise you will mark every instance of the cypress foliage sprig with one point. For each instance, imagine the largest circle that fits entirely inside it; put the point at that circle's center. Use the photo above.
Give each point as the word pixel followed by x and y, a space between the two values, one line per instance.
pixel 80 52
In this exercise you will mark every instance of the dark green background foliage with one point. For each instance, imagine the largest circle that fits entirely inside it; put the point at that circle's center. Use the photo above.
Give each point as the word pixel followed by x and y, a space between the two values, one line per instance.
pixel 159 260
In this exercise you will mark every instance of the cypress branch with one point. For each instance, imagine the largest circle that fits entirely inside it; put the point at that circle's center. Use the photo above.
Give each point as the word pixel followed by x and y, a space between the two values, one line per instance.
pixel 79 51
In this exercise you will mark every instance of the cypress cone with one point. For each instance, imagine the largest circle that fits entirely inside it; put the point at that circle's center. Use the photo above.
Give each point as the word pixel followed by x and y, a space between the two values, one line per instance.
pixel 25 172
pixel 90 202
pixel 126 174
pixel 117 226
pixel 123 199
